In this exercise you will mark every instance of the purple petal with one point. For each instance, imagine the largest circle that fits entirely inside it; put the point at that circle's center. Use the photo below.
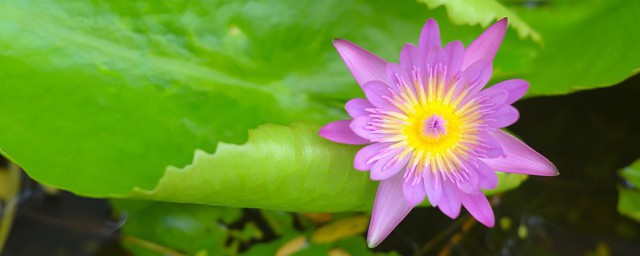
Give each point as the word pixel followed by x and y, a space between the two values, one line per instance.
pixel 491 147
pixel 486 45
pixel 409 57
pixel 515 89
pixel 506 115
pixel 413 193
pixel 389 209
pixel 340 132
pixel 359 126
pixel 364 66
pixel 432 187
pixel 455 52
pixel 471 184
pixel 479 207
pixel 377 93
pixel 429 37
pixel 395 73
pixel 494 98
pixel 386 168
pixel 487 178
pixel 356 107
pixel 449 202
pixel 361 161
pixel 519 158
pixel 436 56
pixel 477 75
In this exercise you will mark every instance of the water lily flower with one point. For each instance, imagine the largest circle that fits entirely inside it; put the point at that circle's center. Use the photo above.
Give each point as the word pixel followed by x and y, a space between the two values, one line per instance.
pixel 431 127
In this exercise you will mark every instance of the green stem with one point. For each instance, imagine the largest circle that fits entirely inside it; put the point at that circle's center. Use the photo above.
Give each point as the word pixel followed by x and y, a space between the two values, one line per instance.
pixel 151 246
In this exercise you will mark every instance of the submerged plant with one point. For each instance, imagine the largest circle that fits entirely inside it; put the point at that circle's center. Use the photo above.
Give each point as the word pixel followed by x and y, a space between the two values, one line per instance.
pixel 431 128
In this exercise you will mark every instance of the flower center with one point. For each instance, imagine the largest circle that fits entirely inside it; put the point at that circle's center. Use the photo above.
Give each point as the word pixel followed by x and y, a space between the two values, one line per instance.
pixel 434 128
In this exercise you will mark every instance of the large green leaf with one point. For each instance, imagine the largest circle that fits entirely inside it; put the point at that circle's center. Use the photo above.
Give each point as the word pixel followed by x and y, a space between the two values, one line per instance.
pixel 284 168
pixel 586 44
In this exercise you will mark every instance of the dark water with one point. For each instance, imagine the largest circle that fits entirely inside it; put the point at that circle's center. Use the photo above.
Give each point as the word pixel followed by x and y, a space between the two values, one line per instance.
pixel 589 136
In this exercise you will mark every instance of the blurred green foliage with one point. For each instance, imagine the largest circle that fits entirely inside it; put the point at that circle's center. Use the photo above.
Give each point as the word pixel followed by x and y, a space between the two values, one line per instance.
pixel 629 202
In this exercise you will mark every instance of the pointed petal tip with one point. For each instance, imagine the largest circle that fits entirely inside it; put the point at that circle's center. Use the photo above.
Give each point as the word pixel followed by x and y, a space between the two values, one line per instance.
pixel 487 44
pixel 520 158
pixel 340 132
pixel 502 24
pixel 431 23
pixel 429 36
pixel 389 209
pixel 373 241
pixel 364 65
pixel 547 168
pixel 338 41
pixel 490 223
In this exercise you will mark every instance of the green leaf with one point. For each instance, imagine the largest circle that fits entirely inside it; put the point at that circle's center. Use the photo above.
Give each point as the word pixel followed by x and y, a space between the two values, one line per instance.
pixel 507 182
pixel 156 228
pixel 586 44
pixel 284 168
pixel 482 12
pixel 629 202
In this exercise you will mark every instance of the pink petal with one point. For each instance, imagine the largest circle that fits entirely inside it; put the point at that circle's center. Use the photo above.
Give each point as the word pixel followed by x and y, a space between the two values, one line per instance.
pixel 486 45
pixel 490 147
pixel 409 57
pixel 515 89
pixel 519 158
pixel 395 73
pixel 429 37
pixel 389 209
pixel 340 132
pixel 433 187
pixel 377 93
pixel 386 168
pixel 364 66
pixel 494 97
pixel 477 75
pixel 413 193
pixel 361 161
pixel 506 115
pixel 487 177
pixel 356 107
pixel 436 56
pixel 359 126
pixel 479 207
pixel 455 51
pixel 471 184
pixel 449 203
